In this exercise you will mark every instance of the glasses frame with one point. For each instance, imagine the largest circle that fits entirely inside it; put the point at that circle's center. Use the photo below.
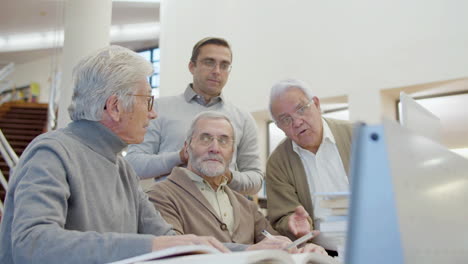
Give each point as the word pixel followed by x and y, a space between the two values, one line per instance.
pixel 299 112
pixel 150 100
pixel 228 144
pixel 207 61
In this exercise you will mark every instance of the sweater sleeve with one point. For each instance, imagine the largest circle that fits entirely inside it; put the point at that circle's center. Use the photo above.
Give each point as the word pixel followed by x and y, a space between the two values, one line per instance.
pixel 261 223
pixel 150 219
pixel 146 158
pixel 42 197
pixel 281 193
pixel 168 209
pixel 247 178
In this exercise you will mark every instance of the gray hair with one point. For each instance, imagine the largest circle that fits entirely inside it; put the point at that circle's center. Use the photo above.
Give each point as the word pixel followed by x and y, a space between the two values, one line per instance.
pixel 283 86
pixel 112 70
pixel 208 115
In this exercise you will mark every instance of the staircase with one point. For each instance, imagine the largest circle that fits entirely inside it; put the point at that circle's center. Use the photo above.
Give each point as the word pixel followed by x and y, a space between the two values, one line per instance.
pixel 20 123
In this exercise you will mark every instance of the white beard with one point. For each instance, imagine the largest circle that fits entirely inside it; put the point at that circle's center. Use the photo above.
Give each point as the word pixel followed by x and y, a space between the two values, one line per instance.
pixel 208 168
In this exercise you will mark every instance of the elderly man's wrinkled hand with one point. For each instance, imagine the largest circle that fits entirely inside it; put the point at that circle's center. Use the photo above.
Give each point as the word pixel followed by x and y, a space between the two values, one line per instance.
pixel 275 242
pixel 310 247
pixel 298 222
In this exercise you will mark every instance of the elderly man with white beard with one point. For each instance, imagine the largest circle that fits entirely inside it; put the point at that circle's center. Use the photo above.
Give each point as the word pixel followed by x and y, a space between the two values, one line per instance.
pixel 196 199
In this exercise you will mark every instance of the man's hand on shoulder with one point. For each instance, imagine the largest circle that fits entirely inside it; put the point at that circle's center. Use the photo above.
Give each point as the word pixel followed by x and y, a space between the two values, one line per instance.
pixel 228 175
pixel 183 156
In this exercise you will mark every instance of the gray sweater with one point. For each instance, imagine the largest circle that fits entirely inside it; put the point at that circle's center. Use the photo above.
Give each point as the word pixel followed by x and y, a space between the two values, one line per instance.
pixel 74 199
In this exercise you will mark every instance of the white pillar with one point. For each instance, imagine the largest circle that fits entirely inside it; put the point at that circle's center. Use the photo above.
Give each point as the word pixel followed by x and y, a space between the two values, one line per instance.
pixel 87 28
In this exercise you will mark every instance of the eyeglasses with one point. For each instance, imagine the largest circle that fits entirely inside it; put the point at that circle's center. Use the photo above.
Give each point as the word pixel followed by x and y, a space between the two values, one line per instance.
pixel 150 100
pixel 211 64
pixel 206 139
pixel 287 120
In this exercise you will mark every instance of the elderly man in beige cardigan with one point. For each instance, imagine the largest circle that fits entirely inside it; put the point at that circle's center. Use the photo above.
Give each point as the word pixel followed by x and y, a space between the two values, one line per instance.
pixel 313 158
pixel 197 200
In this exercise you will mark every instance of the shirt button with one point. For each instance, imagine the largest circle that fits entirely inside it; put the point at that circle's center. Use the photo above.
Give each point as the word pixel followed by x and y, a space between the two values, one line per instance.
pixel 223 227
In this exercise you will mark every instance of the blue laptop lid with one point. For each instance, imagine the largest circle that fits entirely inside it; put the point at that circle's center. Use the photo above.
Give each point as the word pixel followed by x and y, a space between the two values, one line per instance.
pixel 373 231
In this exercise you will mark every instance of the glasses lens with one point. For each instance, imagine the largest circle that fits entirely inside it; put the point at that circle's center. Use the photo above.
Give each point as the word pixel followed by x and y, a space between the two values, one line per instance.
pixel 302 110
pixel 211 64
pixel 206 139
pixel 286 121
pixel 224 141
pixel 225 66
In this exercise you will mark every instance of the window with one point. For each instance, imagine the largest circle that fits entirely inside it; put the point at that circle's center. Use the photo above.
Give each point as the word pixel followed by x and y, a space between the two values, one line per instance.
pixel 450 109
pixel 339 113
pixel 275 136
pixel 153 55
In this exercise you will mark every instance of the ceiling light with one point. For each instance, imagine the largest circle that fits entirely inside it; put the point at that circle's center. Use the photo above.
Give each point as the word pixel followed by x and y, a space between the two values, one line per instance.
pixel 51 39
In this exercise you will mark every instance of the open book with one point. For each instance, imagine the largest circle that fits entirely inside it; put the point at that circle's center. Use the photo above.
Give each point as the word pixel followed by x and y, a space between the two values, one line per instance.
pixel 170 253
pixel 251 257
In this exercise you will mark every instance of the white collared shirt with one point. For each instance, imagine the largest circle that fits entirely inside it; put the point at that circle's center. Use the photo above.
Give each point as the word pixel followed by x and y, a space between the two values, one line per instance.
pixel 324 170
pixel 218 199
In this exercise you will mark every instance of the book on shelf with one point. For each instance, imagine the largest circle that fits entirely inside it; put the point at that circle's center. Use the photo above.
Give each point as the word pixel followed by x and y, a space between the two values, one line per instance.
pixel 171 252
pixel 251 257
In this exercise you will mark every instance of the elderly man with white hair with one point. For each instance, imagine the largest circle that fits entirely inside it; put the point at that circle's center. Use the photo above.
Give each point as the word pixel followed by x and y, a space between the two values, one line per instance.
pixel 313 158
pixel 72 197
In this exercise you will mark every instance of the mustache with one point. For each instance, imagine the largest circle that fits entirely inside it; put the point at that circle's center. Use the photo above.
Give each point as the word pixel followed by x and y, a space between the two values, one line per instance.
pixel 211 156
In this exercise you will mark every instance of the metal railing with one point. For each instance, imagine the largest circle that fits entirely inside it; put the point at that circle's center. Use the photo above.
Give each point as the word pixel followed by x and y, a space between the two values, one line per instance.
pixel 6 86
pixel 1 208
pixel 6 69
pixel 54 93
pixel 10 158
pixel 51 109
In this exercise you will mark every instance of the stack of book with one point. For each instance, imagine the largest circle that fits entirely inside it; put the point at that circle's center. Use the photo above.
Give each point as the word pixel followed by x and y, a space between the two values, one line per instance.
pixel 334 219
pixel 335 207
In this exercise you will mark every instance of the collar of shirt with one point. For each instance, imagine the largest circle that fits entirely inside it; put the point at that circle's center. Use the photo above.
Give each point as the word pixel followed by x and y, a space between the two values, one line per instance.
pixel 190 95
pixel 327 135
pixel 199 181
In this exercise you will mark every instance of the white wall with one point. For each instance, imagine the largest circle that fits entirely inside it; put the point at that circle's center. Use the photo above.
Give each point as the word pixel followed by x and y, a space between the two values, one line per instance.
pixel 39 71
pixel 353 48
